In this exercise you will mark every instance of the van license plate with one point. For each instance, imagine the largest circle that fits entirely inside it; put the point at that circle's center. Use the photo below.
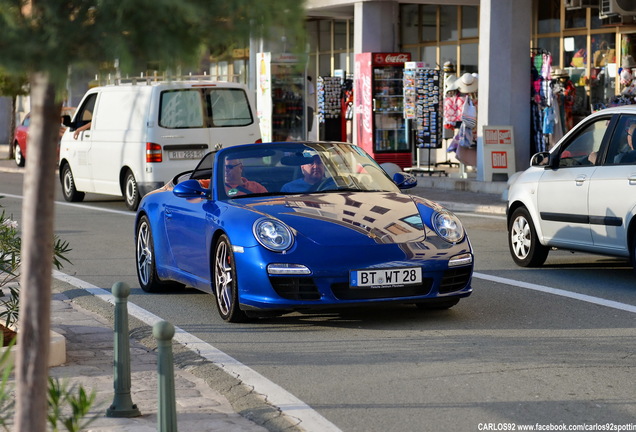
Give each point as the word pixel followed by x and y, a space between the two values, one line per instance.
pixel 186 154
pixel 386 277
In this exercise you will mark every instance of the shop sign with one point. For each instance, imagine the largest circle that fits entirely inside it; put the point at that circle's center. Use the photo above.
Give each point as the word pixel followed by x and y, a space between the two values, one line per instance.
pixel 386 59
pixel 499 152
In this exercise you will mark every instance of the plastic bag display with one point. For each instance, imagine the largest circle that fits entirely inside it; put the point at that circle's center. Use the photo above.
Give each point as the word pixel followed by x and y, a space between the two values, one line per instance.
pixel 469 114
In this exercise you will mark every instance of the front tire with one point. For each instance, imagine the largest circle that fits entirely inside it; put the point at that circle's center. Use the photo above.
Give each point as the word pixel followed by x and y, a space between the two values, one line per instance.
pixel 131 192
pixel 225 282
pixel 145 258
pixel 18 156
pixel 69 190
pixel 524 245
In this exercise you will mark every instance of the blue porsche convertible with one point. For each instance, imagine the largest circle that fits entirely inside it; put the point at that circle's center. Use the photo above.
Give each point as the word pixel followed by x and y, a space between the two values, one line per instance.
pixel 299 226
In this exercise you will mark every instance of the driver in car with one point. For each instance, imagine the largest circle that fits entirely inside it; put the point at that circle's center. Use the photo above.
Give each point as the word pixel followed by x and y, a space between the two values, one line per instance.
pixel 236 184
pixel 313 173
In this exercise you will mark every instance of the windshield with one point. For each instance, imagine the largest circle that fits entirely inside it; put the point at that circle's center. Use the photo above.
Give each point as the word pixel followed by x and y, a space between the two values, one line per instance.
pixel 298 168
pixel 204 108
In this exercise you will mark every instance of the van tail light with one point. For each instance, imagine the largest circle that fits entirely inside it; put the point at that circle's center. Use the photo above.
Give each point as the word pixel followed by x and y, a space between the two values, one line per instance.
pixel 258 141
pixel 153 153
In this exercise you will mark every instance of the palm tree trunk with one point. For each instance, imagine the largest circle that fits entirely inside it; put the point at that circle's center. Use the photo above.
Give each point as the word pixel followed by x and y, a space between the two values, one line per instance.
pixel 12 124
pixel 37 251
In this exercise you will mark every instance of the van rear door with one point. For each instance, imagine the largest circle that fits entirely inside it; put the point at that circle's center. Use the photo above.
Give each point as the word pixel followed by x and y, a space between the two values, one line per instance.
pixel 231 120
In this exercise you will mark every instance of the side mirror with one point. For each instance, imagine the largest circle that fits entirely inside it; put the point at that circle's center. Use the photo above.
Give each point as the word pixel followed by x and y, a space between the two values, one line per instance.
pixel 404 180
pixel 540 159
pixel 190 189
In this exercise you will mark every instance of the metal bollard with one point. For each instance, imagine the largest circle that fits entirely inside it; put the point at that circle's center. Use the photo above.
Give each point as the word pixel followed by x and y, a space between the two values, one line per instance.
pixel 122 405
pixel 163 331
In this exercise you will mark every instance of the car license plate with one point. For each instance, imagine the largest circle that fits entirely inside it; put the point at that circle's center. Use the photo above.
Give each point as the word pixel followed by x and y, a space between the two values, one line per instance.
pixel 186 154
pixel 385 277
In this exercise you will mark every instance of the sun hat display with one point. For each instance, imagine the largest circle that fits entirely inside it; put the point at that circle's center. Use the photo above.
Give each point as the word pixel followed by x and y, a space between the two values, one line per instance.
pixel 628 62
pixel 450 83
pixel 559 73
pixel 449 67
pixel 468 83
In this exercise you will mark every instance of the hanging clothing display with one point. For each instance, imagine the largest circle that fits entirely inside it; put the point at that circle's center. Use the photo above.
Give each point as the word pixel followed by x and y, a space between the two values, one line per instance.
pixel 541 98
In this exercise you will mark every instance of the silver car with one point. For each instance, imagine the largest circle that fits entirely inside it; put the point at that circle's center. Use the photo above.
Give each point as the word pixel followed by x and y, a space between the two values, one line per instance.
pixel 579 196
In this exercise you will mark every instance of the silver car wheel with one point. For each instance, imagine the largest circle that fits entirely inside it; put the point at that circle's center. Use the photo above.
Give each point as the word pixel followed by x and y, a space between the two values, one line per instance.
pixel 525 248
pixel 223 278
pixel 520 237
pixel 144 254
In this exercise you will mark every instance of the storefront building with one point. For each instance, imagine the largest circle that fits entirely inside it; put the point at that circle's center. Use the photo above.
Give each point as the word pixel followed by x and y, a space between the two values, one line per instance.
pixel 494 39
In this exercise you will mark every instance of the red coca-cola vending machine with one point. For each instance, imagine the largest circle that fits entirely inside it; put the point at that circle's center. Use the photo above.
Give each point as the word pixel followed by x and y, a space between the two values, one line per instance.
pixel 379 101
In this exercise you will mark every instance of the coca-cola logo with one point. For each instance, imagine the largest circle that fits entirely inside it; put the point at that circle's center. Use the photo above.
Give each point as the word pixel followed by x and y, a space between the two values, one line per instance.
pixel 391 58
pixel 367 103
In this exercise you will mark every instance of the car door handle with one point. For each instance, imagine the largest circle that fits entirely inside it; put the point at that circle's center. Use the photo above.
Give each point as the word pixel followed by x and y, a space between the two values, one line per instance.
pixel 580 180
pixel 632 179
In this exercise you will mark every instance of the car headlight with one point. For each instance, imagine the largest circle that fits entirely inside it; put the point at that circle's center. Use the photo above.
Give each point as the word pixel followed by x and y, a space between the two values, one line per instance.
pixel 273 234
pixel 448 226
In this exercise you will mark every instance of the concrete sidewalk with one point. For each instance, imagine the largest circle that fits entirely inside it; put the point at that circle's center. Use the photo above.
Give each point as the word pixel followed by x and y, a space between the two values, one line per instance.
pixel 206 399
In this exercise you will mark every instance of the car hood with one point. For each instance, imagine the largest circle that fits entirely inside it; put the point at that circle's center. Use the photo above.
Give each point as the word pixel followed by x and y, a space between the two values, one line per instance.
pixel 333 219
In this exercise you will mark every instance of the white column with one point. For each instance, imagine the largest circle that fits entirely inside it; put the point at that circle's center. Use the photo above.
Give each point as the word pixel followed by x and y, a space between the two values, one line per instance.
pixel 375 27
pixel 504 74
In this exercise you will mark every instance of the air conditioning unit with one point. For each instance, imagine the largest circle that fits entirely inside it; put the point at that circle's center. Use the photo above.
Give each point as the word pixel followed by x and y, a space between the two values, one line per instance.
pixel 618 7
pixel 580 4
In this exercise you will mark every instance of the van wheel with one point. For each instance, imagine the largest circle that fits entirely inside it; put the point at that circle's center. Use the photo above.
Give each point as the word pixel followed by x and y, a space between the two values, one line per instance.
pixel 18 156
pixel 131 192
pixel 69 191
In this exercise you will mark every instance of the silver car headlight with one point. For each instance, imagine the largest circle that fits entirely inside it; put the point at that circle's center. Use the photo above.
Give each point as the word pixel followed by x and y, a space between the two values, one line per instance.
pixel 448 226
pixel 273 234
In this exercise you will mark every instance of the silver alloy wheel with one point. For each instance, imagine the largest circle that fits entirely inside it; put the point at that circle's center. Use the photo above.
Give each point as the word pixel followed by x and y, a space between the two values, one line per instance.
pixel 144 254
pixel 17 156
pixel 521 237
pixel 224 282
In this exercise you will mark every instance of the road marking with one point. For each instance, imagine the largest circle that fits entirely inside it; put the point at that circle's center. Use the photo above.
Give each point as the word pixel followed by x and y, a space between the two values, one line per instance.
pixel 563 293
pixel 289 404
pixel 82 206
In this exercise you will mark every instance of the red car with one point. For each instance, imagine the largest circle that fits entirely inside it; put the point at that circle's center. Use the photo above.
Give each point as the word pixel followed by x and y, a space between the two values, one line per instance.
pixel 22 132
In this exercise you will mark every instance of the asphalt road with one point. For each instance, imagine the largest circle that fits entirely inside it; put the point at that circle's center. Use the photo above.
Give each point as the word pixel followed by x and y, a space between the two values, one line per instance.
pixel 544 346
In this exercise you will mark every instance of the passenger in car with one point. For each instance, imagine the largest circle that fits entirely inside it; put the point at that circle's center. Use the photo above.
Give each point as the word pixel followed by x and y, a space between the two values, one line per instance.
pixel 627 154
pixel 313 173
pixel 236 184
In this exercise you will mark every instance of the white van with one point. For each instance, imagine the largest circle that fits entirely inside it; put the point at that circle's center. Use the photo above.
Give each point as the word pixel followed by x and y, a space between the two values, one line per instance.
pixel 128 139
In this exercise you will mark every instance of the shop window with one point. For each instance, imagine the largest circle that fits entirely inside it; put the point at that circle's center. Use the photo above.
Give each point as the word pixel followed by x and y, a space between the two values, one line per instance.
pixel 448 53
pixel 324 35
pixel 429 23
pixel 574 52
pixel 410 25
pixel 448 23
pixel 603 70
pixel 340 35
pixel 576 18
pixel 469 57
pixel 597 22
pixel 429 55
pixel 312 35
pixel 470 21
pixel 324 61
pixel 549 12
